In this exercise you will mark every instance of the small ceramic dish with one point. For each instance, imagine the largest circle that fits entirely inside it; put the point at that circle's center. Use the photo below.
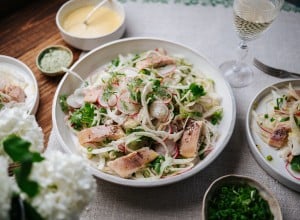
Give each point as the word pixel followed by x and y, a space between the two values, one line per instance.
pixel 15 72
pixel 52 59
pixel 238 179
pixel 89 42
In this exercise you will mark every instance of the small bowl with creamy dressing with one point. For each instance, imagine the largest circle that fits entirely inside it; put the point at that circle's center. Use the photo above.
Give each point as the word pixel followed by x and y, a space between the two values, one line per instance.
pixel 52 59
pixel 106 24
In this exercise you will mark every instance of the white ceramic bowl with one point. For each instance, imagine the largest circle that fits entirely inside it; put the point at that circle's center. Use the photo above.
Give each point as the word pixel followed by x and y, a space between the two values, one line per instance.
pixel 104 54
pixel 92 42
pixel 234 179
pixel 277 166
pixel 18 71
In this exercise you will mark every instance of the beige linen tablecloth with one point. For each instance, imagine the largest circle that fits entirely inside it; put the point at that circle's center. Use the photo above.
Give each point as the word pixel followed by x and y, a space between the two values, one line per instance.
pixel 209 30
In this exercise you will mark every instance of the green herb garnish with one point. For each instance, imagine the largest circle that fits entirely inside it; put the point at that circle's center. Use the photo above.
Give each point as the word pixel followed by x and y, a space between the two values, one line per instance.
pixel 156 164
pixel 269 158
pixel 145 72
pixel 115 62
pixel 83 117
pixel 284 119
pixel 216 117
pixel 63 103
pixel 238 201
pixel 197 90
pixel 295 163
pixel 279 102
pixel 297 121
pixel 18 151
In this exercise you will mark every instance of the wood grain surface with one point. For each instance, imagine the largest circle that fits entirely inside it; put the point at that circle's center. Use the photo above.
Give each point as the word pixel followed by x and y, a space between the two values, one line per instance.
pixel 23 33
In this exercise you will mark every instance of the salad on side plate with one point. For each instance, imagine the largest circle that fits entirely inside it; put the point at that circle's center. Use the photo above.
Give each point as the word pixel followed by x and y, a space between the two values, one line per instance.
pixel 279 126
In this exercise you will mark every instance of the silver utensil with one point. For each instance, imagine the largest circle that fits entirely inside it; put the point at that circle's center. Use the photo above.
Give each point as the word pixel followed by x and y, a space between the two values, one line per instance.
pixel 274 71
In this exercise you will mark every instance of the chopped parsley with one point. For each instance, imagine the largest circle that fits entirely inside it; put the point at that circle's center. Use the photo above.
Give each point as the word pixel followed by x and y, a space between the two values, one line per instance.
pixel 156 164
pixel 145 72
pixel 133 87
pixel 63 103
pixel 83 117
pixel 284 119
pixel 295 163
pixel 238 201
pixel 216 117
pixel 279 102
pixel 115 62
pixel 197 90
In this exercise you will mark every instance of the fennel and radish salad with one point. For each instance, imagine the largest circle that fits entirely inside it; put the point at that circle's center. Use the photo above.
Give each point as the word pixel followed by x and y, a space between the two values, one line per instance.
pixel 145 116
pixel 279 126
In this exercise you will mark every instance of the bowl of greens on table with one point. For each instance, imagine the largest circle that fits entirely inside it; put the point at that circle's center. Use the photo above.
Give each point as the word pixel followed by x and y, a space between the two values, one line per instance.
pixel 239 197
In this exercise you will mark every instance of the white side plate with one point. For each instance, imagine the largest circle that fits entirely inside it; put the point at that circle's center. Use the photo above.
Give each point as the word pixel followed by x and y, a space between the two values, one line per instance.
pixel 260 150
pixel 21 75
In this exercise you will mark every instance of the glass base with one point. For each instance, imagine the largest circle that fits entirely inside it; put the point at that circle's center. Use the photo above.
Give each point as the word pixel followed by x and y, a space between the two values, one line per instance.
pixel 238 76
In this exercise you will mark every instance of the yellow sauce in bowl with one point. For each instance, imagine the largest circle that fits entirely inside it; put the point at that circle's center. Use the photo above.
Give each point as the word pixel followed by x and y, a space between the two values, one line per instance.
pixel 102 22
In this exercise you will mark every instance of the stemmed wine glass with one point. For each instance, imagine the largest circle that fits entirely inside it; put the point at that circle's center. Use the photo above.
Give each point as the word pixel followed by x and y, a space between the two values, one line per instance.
pixel 251 18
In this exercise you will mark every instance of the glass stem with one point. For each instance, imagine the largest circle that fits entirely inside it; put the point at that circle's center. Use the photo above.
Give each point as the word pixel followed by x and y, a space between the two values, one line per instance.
pixel 242 52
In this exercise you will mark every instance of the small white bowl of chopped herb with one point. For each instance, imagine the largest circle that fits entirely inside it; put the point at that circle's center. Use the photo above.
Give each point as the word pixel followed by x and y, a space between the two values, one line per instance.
pixel 52 59
pixel 239 197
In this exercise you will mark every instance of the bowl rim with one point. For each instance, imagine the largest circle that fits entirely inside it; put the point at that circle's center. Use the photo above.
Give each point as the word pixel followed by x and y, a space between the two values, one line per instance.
pixel 240 178
pixel 36 100
pixel 53 73
pixel 160 182
pixel 66 4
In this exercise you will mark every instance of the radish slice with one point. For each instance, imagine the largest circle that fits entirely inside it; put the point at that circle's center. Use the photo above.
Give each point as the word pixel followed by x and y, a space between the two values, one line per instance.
pixel 159 110
pixel 126 105
pixel 166 70
pixel 112 101
pixel 101 99
pixel 76 100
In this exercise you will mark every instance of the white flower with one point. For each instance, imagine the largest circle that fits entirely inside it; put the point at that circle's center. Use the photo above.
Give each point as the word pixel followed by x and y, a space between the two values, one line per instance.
pixel 18 121
pixel 6 189
pixel 66 186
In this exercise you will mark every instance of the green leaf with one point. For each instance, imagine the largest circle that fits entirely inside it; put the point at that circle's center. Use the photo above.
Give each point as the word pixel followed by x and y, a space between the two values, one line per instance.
pixel 63 103
pixel 156 164
pixel 197 90
pixel 31 213
pixel 31 188
pixel 18 150
pixel 216 117
pixel 115 62
pixel 295 163
pixel 16 210
pixel 83 117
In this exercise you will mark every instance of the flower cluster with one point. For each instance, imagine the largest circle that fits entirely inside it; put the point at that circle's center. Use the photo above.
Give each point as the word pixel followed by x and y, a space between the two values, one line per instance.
pixel 17 121
pixel 53 186
pixel 65 185
pixel 6 189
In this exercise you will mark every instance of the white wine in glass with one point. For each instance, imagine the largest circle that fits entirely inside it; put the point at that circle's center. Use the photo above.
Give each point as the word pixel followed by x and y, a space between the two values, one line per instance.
pixel 251 18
